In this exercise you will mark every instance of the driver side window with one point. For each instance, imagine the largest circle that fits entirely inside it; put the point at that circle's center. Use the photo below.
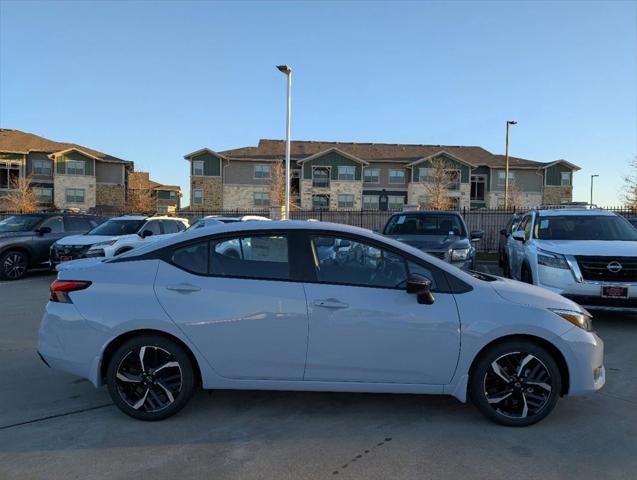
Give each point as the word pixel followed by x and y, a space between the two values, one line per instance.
pixel 346 261
pixel 153 226
pixel 54 223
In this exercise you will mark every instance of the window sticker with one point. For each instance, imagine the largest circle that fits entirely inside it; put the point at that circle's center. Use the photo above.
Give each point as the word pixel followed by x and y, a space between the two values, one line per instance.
pixel 401 220
pixel 544 224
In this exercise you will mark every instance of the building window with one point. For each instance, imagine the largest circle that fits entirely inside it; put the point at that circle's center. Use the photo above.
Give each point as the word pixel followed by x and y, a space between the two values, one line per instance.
pixel 346 173
pixel 43 194
pixel 565 179
pixel 75 167
pixel 262 171
pixel 372 175
pixel 9 174
pixel 197 168
pixel 42 167
pixel 321 177
pixel 395 202
pixel 197 196
pixel 346 201
pixel 173 195
pixel 370 202
pixel 478 186
pixel 75 195
pixel 502 175
pixel 320 201
pixel 261 199
pixel 397 176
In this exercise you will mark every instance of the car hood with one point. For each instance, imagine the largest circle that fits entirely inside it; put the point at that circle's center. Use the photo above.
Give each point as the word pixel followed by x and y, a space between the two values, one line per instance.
pixel 532 296
pixel 432 242
pixel 590 247
pixel 85 239
pixel 15 234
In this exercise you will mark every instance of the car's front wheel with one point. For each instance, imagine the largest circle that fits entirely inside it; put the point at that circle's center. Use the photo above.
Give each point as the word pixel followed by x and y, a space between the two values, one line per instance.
pixel 150 377
pixel 515 383
pixel 13 265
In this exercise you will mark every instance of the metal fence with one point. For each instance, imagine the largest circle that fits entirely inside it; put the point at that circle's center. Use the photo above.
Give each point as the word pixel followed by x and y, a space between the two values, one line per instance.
pixel 490 221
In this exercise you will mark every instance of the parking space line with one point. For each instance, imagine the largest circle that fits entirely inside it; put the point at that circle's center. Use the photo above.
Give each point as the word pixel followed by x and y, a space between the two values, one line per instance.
pixel 66 414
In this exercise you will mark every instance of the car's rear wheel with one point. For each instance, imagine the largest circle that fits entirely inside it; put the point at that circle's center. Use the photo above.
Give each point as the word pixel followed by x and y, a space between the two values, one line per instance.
pixel 13 265
pixel 525 275
pixel 515 383
pixel 150 377
pixel 506 272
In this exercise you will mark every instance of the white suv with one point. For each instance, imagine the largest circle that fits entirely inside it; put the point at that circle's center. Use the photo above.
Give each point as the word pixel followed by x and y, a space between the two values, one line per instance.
pixel 115 236
pixel 586 255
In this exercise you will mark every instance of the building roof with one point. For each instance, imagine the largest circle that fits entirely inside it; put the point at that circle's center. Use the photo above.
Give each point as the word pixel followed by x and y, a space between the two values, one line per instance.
pixel 16 141
pixel 376 152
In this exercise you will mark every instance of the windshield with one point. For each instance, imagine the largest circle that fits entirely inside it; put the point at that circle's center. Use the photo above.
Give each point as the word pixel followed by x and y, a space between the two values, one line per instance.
pixel 117 227
pixel 584 227
pixel 431 224
pixel 19 223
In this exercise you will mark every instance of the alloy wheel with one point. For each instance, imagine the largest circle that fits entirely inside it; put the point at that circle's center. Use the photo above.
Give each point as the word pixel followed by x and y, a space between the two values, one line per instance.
pixel 14 265
pixel 149 379
pixel 517 385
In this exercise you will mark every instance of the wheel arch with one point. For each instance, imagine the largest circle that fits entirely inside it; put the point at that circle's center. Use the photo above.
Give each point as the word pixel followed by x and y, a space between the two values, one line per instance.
pixel 550 347
pixel 116 342
pixel 18 247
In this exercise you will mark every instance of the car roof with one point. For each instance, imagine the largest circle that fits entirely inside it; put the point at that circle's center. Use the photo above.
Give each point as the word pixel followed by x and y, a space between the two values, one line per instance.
pixel 560 212
pixel 427 212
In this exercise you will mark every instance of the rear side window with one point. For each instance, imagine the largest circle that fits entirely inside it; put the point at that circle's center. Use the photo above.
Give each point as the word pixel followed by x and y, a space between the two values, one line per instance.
pixel 153 226
pixel 76 224
pixel 170 226
pixel 258 256
pixel 193 258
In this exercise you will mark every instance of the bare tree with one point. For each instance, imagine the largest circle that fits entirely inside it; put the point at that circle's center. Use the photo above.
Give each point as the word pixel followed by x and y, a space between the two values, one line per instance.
pixel 437 185
pixel 21 198
pixel 276 184
pixel 139 197
pixel 630 186
pixel 516 199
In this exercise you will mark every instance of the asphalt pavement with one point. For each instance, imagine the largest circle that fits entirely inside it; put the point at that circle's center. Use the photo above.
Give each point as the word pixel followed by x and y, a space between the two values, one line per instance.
pixel 56 426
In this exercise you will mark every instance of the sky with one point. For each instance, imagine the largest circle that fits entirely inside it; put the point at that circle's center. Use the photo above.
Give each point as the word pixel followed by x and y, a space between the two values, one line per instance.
pixel 150 81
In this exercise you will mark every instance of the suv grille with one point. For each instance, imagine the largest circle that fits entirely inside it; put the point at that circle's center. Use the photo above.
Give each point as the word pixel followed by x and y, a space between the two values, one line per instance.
pixel 596 268
pixel 440 255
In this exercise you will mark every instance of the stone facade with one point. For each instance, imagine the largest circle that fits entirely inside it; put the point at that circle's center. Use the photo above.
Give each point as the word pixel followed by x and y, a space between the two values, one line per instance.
pixel 84 182
pixel 335 189
pixel 556 195
pixel 110 194
pixel 212 192
pixel 241 196
pixel 527 199
pixel 417 194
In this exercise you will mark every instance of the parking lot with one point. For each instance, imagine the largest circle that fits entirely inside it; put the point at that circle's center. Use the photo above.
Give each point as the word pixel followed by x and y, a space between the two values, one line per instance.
pixel 53 425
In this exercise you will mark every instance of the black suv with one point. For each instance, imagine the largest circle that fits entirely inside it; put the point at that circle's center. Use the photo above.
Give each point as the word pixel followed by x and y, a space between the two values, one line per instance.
pixel 25 239
pixel 441 234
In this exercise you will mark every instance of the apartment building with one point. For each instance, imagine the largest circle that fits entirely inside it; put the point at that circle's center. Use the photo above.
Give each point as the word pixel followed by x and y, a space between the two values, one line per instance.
pixel 341 175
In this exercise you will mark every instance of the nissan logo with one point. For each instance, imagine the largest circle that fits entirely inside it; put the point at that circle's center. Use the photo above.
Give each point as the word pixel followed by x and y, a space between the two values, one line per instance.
pixel 614 267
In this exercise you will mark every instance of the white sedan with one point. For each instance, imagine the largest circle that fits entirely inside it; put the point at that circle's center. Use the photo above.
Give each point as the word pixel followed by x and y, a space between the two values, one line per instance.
pixel 287 311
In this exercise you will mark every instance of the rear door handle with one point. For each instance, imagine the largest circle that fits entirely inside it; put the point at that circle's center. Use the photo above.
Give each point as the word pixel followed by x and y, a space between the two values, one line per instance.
pixel 183 288
pixel 330 303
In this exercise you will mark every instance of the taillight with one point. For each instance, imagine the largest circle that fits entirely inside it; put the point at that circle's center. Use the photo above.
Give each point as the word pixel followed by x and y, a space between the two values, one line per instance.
pixel 60 289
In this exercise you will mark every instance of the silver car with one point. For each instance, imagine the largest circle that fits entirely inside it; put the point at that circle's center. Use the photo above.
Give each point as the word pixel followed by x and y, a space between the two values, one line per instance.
pixel 313 306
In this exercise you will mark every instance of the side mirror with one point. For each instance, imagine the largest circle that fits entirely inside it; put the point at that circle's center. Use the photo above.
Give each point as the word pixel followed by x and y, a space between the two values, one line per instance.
pixel 146 233
pixel 476 234
pixel 42 230
pixel 519 235
pixel 421 286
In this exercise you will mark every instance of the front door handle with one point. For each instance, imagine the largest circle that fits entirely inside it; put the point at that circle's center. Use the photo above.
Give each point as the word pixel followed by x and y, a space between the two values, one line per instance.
pixel 330 303
pixel 183 288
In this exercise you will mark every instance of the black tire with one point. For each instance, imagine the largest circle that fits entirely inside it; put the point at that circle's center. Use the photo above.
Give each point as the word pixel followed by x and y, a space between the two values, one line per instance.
pixel 146 395
pixel 536 386
pixel 506 272
pixel 500 258
pixel 525 275
pixel 13 265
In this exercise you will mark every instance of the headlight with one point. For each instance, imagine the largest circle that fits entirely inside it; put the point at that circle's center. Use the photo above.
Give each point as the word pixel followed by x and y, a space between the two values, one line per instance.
pixel 460 254
pixel 550 259
pixel 103 244
pixel 579 319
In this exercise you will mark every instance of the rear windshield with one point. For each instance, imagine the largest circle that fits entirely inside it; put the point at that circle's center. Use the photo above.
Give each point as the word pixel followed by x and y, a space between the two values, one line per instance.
pixel 584 227
pixel 117 227
pixel 19 223
pixel 431 224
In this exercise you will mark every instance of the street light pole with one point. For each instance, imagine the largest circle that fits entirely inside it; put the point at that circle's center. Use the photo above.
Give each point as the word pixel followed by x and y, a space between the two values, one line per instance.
pixel 592 177
pixel 506 168
pixel 288 72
